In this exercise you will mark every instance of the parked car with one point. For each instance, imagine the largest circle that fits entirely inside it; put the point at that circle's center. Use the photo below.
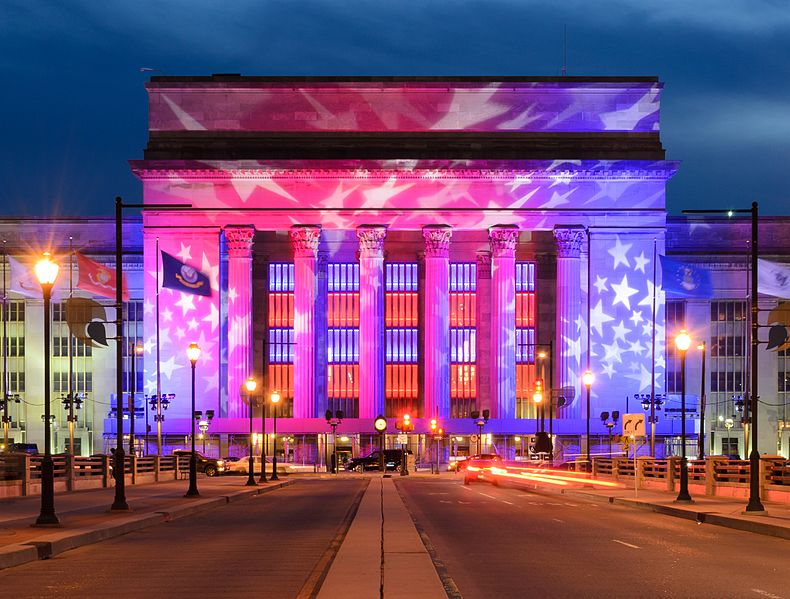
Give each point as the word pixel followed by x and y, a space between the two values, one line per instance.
pixel 392 458
pixel 30 448
pixel 242 466
pixel 206 465
pixel 479 463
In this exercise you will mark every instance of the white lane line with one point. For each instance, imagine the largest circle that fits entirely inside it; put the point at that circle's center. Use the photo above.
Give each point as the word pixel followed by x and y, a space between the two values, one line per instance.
pixel 444 501
pixel 508 502
pixel 626 544
pixel 558 520
pixel 464 502
pixel 554 504
pixel 484 495
pixel 466 488
pixel 766 594
pixel 572 504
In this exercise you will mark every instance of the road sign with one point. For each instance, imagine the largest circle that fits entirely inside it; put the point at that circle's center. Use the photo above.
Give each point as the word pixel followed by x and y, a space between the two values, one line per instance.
pixel 403 439
pixel 633 425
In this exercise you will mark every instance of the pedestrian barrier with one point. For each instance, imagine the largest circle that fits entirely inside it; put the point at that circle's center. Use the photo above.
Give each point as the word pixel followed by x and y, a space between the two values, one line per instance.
pixel 713 476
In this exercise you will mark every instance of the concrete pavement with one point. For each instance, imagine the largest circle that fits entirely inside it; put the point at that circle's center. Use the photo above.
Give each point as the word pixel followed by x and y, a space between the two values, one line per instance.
pixel 85 517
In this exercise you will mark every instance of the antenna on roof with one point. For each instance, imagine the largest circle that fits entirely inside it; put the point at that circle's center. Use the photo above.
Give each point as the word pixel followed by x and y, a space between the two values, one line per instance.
pixel 564 71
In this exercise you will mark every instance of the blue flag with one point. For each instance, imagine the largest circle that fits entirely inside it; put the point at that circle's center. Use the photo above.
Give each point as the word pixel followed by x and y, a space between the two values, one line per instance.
pixel 685 279
pixel 180 276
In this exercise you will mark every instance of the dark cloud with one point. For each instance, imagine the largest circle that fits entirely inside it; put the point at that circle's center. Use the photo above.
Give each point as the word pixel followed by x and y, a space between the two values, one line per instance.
pixel 75 107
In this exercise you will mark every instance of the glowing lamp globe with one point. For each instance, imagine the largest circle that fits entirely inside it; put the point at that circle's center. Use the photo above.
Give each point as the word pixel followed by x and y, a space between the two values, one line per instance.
pixel 250 385
pixel 193 352
pixel 380 424
pixel 683 340
pixel 46 270
pixel 275 397
pixel 537 397
pixel 588 378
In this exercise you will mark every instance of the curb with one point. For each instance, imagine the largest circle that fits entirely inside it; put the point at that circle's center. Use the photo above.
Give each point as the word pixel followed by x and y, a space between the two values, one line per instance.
pixel 54 544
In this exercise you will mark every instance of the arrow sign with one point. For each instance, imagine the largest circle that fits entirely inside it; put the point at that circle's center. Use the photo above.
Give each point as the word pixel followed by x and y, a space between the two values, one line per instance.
pixel 634 425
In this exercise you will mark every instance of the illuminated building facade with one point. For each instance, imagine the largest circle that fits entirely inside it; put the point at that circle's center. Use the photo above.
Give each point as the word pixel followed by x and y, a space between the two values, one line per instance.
pixel 379 246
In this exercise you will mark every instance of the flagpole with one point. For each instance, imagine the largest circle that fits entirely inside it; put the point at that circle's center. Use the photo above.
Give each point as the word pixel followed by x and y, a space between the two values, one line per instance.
pixel 158 372
pixel 653 364
pixel 70 395
pixel 6 423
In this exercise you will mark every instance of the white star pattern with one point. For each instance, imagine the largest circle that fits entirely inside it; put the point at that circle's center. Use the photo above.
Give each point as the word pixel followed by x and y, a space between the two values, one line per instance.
pixel 620 253
pixel 620 331
pixel 612 352
pixel 186 303
pixel 192 324
pixel 148 307
pixel 640 262
pixel 636 317
pixel 598 318
pixel 213 317
pixel 232 295
pixel 167 315
pixel 185 253
pixel 600 283
pixel 623 293
pixel 168 367
pixel 180 332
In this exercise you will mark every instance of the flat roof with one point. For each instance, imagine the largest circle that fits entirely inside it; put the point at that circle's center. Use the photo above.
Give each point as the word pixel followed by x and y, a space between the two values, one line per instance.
pixel 236 77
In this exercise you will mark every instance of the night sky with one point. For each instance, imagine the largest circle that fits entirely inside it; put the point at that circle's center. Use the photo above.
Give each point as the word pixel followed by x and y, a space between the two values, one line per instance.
pixel 74 105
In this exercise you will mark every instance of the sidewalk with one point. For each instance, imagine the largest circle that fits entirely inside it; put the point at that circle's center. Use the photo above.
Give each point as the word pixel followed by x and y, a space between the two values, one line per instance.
pixel 381 550
pixel 720 511
pixel 85 517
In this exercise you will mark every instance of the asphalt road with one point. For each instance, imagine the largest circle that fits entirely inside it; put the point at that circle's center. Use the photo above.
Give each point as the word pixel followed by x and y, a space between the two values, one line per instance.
pixel 266 546
pixel 504 542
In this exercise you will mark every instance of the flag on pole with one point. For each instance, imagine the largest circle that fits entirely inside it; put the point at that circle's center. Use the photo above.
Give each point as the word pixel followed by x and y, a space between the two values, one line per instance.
pixel 182 277
pixel 773 278
pixel 685 279
pixel 98 279
pixel 23 279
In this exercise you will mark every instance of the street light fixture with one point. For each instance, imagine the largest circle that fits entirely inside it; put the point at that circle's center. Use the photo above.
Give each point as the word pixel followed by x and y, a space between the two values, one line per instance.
pixel 682 343
pixel 588 378
pixel 701 439
pixel 46 273
pixel 610 424
pixel 405 425
pixel 193 353
pixel 6 418
pixel 250 385
pixel 480 421
pixel 275 398
pixel 334 421
pixel 380 424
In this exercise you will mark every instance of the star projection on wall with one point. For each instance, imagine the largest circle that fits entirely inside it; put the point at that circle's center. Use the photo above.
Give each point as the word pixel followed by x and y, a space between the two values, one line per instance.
pixel 620 318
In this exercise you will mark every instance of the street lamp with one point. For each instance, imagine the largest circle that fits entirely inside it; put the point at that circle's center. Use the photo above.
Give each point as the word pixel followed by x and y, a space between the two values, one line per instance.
pixel 250 385
pixel 137 351
pixel 72 401
pixel 701 439
pixel 682 343
pixel 380 424
pixel 203 425
pixel 6 418
pixel 587 379
pixel 480 421
pixel 334 421
pixel 262 478
pixel 435 431
pixel 610 424
pixel 193 353
pixel 46 273
pixel 275 397
pixel 405 426
pixel 160 403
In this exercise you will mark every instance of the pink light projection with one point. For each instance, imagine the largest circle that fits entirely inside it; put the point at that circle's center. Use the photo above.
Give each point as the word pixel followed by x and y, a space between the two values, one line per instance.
pixel 450 106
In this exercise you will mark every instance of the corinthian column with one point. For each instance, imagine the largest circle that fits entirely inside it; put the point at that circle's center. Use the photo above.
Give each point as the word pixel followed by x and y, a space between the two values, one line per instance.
pixel 503 320
pixel 436 350
pixel 567 346
pixel 371 321
pixel 304 239
pixel 239 240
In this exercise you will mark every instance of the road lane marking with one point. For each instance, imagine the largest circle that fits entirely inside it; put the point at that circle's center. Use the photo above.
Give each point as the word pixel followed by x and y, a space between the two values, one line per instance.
pixel 438 493
pixel 508 502
pixel 558 520
pixel 466 488
pixel 444 501
pixel 484 495
pixel 554 504
pixel 626 544
pixel 464 502
pixel 766 594
pixel 572 504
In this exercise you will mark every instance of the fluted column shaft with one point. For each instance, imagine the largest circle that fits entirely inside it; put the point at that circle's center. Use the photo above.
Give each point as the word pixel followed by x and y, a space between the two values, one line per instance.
pixel 371 321
pixel 569 316
pixel 503 321
pixel 304 240
pixel 436 350
pixel 239 241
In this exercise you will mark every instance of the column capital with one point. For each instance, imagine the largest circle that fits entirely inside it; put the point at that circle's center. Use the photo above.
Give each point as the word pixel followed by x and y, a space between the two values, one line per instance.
pixel 304 240
pixel 503 240
pixel 569 241
pixel 437 241
pixel 371 240
pixel 484 264
pixel 239 239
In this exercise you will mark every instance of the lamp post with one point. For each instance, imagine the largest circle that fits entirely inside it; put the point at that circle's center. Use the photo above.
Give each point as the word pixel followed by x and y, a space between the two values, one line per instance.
pixel 275 397
pixel 405 426
pixel 71 402
pixel 480 421
pixel 250 385
pixel 587 379
pixel 334 421
pixel 262 478
pixel 203 425
pixel 193 353
pixel 380 425
pixel 6 418
pixel 610 424
pixel 46 273
pixel 137 350
pixel 682 343
pixel 701 439
pixel 160 403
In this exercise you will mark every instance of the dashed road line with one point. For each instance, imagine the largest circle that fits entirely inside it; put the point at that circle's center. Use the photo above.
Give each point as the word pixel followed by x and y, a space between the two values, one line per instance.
pixel 626 544
pixel 508 502
pixel 558 520
pixel 484 495
pixel 766 594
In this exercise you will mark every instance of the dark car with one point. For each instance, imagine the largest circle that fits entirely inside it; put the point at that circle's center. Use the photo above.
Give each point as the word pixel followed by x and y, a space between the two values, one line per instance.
pixel 371 462
pixel 206 465
pixel 480 463
pixel 30 448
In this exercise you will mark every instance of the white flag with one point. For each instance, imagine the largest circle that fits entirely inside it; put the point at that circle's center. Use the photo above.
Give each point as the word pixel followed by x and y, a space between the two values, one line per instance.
pixel 23 279
pixel 773 278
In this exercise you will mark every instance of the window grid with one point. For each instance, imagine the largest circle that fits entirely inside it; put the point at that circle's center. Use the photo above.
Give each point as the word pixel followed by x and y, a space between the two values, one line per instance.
pixel 401 320
pixel 82 360
pixel 675 321
pixel 343 337
pixel 280 286
pixel 525 340
pixel 463 339
pixel 783 384
pixel 728 338
pixel 15 328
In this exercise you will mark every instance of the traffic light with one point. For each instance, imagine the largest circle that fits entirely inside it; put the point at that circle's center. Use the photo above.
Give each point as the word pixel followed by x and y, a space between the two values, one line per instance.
pixel 434 424
pixel 779 333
